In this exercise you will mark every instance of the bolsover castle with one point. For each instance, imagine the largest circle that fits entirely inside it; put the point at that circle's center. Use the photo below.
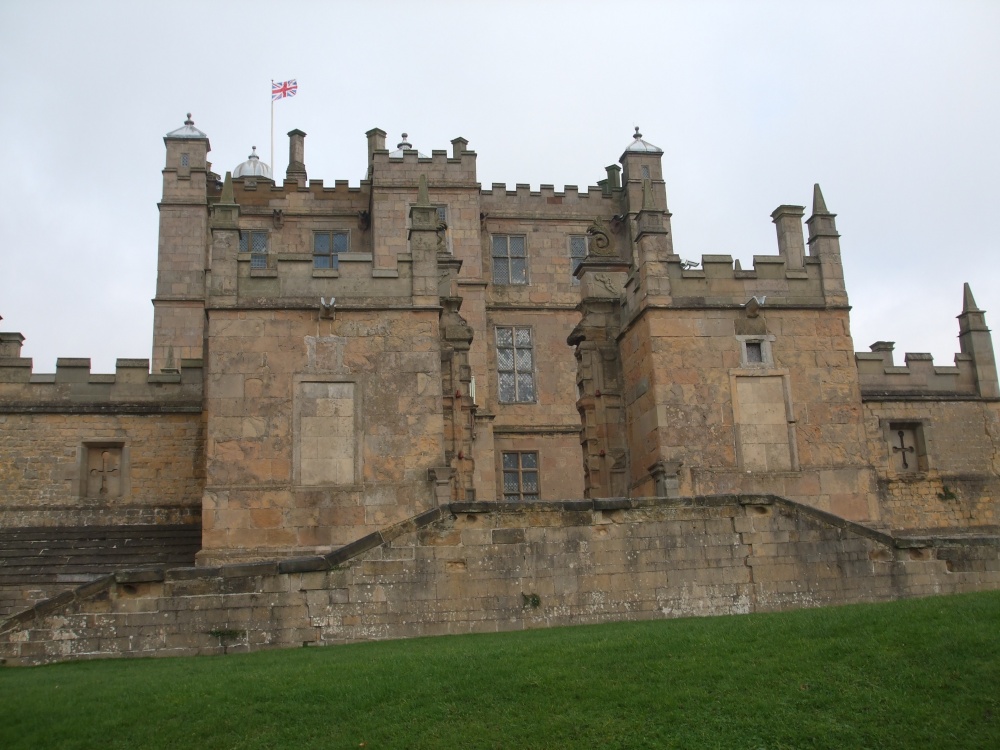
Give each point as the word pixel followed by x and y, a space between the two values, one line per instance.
pixel 420 406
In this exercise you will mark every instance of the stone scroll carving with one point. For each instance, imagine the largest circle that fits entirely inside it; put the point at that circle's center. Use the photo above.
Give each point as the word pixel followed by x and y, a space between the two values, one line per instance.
pixel 601 241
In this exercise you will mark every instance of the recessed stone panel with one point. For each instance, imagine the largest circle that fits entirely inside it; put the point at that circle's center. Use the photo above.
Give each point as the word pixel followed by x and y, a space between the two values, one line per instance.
pixel 325 439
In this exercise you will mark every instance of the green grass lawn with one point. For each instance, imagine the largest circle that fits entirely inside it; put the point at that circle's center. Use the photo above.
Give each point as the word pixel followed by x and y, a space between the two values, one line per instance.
pixel 911 674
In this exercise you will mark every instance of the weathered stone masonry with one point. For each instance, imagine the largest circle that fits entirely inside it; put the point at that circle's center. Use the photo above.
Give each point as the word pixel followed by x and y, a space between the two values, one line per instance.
pixel 419 378
pixel 487 567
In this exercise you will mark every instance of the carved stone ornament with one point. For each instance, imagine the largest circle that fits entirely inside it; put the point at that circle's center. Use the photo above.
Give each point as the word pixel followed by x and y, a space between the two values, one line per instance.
pixel 364 220
pixel 601 240
pixel 278 218
pixel 607 282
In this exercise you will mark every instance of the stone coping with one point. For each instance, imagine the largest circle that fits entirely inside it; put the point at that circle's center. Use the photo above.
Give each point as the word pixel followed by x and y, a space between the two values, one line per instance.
pixel 988 536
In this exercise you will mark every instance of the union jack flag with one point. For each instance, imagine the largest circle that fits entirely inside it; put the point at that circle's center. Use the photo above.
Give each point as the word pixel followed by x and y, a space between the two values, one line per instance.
pixel 281 89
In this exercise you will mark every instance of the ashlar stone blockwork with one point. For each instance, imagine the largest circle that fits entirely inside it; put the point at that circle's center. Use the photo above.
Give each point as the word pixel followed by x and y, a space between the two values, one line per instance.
pixel 330 360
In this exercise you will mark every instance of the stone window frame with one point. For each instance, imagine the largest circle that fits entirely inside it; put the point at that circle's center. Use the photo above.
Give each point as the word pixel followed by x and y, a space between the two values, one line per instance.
pixel 747 346
pixel 574 259
pixel 185 159
pixel 81 480
pixel 890 427
pixel 332 256
pixel 505 262
pixel 518 399
pixel 258 258
pixel 512 465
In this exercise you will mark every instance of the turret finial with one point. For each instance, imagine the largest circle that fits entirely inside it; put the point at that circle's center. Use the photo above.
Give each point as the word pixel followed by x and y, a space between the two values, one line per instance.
pixel 423 198
pixel 637 135
pixel 968 301
pixel 189 121
pixel 404 144
pixel 819 205
pixel 227 190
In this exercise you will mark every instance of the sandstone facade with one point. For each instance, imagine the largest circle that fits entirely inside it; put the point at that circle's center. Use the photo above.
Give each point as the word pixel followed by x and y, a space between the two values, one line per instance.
pixel 331 361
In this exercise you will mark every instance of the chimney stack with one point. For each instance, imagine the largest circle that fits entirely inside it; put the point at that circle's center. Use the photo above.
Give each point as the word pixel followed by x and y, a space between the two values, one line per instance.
pixel 296 157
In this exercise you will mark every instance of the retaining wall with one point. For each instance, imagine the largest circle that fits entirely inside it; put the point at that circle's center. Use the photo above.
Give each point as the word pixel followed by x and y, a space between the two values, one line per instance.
pixel 485 567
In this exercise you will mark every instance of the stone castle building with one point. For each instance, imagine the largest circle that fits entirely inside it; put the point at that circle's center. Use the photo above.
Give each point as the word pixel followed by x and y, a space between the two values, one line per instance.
pixel 329 362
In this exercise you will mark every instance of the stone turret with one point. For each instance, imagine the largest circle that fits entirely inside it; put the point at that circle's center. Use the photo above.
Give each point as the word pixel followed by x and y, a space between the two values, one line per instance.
pixel 824 243
pixel 974 340
pixel 178 308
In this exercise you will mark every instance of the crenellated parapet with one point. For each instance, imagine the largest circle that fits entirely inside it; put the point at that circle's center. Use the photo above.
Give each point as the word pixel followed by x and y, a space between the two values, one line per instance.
pixel 974 374
pixel 801 275
pixel 721 281
pixel 389 170
pixel 880 376
pixel 74 388
pixel 522 202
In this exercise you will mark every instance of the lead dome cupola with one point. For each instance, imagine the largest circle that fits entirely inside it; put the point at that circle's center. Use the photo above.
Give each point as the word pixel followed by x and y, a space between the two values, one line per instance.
pixel 402 147
pixel 253 167
pixel 638 144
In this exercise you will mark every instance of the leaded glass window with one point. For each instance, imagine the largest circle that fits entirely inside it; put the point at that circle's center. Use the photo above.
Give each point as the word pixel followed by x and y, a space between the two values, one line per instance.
pixel 577 252
pixel 520 476
pixel 515 365
pixel 327 247
pixel 510 260
pixel 255 243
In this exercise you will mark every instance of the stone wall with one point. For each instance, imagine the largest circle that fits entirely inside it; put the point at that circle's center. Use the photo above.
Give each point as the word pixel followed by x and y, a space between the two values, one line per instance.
pixel 481 567
pixel 84 448
pixel 696 399
pixel 157 472
pixel 952 477
pixel 270 428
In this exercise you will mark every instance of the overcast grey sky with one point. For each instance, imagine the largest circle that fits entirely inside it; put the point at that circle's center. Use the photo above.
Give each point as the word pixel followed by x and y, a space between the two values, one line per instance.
pixel 891 106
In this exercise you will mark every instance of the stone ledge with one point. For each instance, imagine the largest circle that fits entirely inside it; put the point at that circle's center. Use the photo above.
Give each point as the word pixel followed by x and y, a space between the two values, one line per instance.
pixel 303 565
pixel 139 575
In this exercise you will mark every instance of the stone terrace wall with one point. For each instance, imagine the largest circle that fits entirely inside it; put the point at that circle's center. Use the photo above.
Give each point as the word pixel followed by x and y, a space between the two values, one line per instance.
pixel 484 567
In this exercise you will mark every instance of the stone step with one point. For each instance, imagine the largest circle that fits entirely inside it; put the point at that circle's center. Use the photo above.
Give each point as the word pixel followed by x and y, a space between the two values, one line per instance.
pixel 48 555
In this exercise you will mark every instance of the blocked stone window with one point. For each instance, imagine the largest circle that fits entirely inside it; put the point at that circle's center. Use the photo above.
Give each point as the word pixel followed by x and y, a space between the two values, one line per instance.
pixel 325 434
pixel 510 259
pixel 762 415
pixel 105 470
pixel 520 476
pixel 327 247
pixel 515 365
pixel 907 447
pixel 577 252
pixel 255 242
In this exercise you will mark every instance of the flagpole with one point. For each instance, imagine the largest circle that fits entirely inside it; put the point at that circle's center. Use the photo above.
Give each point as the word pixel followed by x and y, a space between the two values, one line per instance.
pixel 272 131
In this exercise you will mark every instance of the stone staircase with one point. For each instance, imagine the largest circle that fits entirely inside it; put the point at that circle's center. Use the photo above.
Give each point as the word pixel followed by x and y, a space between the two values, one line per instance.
pixel 37 563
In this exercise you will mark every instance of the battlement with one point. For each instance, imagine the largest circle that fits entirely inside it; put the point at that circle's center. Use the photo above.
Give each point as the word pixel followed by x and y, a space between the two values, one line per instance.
pixel 314 186
pixel 721 280
pixel 878 374
pixel 132 387
pixel 974 374
pixel 440 168
pixel 570 202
